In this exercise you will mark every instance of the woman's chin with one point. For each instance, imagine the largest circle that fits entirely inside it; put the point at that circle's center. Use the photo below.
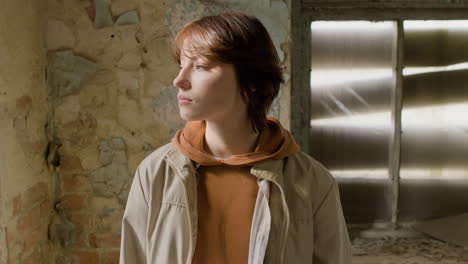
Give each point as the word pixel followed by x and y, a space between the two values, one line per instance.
pixel 187 116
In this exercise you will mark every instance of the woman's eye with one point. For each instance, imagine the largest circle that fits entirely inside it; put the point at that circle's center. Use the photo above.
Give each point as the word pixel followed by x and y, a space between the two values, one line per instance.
pixel 200 67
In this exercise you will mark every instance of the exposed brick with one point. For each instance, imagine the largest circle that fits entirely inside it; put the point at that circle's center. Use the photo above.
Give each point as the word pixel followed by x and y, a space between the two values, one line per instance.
pixel 91 12
pixel 14 252
pixel 33 258
pixel 28 220
pixel 35 194
pixel 87 257
pixel 110 257
pixel 45 209
pixel 105 240
pixel 92 240
pixel 71 163
pixel 63 259
pixel 46 252
pixel 74 201
pixel 81 221
pixel 35 237
pixel 74 183
pixel 80 240
pixel 24 222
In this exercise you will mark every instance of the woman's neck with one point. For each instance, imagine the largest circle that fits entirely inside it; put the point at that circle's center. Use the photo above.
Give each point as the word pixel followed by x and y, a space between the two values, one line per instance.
pixel 229 137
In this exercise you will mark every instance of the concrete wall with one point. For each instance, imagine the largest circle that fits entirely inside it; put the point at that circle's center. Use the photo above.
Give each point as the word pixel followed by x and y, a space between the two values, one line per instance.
pixel 111 102
pixel 24 181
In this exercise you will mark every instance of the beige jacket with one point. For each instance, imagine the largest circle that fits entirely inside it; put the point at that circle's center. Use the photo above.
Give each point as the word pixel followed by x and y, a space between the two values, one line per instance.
pixel 160 221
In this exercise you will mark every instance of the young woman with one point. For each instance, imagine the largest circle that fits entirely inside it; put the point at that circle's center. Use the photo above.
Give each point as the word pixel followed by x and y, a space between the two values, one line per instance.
pixel 232 186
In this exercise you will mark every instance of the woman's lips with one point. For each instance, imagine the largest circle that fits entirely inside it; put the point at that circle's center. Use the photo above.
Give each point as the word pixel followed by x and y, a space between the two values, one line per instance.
pixel 184 100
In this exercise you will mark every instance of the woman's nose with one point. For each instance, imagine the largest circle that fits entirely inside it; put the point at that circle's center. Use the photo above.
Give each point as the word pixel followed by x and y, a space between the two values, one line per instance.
pixel 181 81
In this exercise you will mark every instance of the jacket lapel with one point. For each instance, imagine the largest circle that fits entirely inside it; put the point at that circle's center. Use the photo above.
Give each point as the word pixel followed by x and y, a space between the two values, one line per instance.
pixel 272 170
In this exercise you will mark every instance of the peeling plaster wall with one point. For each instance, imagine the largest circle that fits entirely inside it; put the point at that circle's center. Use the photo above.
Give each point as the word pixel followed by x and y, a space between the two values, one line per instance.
pixel 111 102
pixel 24 181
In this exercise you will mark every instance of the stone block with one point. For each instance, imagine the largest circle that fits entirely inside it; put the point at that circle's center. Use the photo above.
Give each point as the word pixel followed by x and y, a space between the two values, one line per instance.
pixel 66 73
pixel 103 15
pixel 113 178
pixel 128 18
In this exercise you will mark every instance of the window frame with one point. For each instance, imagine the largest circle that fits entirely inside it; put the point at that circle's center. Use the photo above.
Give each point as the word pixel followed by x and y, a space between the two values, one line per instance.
pixel 303 12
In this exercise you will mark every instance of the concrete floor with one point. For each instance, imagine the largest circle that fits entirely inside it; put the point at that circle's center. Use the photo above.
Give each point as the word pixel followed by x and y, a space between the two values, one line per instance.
pixel 406 250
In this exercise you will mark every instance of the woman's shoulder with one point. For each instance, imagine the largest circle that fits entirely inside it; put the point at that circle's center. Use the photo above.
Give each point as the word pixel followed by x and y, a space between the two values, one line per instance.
pixel 314 179
pixel 302 164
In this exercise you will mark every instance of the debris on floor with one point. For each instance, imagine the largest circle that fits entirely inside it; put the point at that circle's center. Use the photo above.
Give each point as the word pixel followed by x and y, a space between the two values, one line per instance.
pixel 421 249
pixel 453 229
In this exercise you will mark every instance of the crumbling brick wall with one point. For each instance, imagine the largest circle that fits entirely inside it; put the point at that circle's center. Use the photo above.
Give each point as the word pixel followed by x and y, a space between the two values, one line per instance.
pixel 25 205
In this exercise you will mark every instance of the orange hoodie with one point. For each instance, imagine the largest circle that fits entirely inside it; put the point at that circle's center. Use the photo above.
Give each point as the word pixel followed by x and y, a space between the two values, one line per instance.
pixel 227 191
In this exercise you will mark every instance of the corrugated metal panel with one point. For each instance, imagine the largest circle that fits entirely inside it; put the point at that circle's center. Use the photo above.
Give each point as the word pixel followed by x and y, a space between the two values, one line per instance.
pixel 434 158
pixel 351 81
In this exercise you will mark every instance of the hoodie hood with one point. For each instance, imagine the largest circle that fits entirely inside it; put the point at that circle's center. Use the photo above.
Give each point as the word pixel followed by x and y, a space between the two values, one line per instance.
pixel 274 142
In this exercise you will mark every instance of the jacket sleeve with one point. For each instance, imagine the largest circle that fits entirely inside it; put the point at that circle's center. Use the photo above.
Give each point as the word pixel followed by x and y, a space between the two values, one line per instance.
pixel 331 240
pixel 134 224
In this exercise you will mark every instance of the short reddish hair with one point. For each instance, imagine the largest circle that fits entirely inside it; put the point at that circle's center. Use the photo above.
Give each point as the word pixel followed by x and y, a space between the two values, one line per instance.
pixel 241 40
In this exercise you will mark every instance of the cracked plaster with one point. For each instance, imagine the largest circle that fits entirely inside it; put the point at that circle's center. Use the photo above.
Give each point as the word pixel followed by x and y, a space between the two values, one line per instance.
pixel 113 178
pixel 58 35
pixel 66 74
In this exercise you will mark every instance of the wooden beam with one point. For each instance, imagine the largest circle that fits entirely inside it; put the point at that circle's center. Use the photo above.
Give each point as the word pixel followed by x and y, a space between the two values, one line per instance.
pixel 300 76
pixel 395 139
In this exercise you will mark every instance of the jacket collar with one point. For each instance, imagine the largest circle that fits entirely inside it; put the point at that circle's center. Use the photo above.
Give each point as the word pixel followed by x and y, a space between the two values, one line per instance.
pixel 270 169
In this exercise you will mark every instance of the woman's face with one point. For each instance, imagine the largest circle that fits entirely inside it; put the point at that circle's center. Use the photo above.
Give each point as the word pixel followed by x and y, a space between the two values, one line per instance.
pixel 208 90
